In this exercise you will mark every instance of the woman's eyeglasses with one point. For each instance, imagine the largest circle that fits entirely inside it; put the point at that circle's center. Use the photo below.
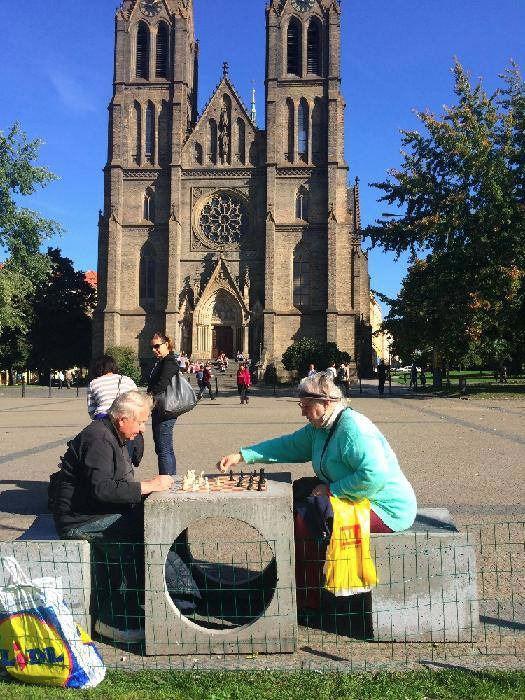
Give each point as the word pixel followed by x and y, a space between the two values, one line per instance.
pixel 157 346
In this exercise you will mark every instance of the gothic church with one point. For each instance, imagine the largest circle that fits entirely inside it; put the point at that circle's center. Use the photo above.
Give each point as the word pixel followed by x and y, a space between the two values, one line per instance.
pixel 227 236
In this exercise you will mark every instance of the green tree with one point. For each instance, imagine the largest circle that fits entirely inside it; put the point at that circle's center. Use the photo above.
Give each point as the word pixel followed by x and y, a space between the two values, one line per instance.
pixel 22 232
pixel 308 350
pixel 127 361
pixel 462 188
pixel 60 332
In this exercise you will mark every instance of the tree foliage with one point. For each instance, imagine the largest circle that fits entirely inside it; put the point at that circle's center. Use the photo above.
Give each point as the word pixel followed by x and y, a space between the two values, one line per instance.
pixel 462 188
pixel 22 232
pixel 127 361
pixel 309 350
pixel 60 332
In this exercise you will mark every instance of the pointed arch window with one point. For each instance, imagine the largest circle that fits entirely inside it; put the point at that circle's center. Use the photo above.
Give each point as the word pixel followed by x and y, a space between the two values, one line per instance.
pixel 142 58
pixel 303 128
pixel 150 131
pixel 137 132
pixel 198 153
pixel 212 141
pixel 301 280
pixel 313 43
pixel 290 130
pixel 149 205
pixel 294 41
pixel 301 204
pixel 241 140
pixel 147 274
pixel 318 134
pixel 162 51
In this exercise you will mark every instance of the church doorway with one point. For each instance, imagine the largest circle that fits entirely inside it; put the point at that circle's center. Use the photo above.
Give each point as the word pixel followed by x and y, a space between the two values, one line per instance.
pixel 222 341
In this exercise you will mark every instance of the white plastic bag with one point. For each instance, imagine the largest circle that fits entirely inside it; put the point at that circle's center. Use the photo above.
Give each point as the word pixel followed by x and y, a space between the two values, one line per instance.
pixel 40 642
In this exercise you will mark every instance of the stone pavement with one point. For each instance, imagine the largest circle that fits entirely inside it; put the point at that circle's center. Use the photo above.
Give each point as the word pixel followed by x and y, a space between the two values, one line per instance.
pixel 464 455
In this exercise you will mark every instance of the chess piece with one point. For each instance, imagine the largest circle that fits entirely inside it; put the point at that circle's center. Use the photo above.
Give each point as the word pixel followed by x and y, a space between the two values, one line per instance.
pixel 250 483
pixel 231 475
pixel 241 479
pixel 262 477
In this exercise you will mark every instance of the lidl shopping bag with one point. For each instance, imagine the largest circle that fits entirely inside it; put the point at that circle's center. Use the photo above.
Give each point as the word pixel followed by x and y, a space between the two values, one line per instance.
pixel 40 642
pixel 349 568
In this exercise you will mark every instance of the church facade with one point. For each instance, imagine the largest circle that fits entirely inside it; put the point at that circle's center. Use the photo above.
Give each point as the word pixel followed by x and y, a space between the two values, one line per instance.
pixel 225 236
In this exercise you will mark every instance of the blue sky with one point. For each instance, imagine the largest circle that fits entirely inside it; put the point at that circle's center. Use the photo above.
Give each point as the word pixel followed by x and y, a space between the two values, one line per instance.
pixel 57 61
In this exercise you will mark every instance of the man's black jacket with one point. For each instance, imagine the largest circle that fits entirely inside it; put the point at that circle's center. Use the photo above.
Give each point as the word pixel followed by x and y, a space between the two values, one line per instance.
pixel 96 477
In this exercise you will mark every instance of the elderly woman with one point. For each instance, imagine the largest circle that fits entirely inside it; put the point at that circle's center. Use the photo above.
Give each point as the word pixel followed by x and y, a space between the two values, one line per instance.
pixel 350 457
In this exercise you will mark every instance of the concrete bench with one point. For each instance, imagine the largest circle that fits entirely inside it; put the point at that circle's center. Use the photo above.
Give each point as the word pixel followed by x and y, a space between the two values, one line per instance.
pixel 427 582
pixel 41 553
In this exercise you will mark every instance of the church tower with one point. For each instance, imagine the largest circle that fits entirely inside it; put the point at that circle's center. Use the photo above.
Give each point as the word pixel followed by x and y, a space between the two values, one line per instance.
pixel 153 108
pixel 312 287
pixel 226 236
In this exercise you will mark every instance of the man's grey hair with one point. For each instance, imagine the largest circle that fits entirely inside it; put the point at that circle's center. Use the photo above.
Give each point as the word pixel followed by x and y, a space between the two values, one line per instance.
pixel 319 386
pixel 129 405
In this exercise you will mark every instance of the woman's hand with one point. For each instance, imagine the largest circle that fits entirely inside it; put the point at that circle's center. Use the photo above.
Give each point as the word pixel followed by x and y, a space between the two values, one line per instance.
pixel 321 490
pixel 229 461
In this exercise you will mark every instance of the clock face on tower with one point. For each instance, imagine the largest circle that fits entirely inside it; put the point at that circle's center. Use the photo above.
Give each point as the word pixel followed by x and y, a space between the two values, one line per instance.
pixel 150 7
pixel 303 5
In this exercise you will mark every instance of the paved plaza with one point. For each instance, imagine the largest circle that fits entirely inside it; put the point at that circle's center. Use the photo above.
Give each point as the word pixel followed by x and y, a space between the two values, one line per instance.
pixel 468 456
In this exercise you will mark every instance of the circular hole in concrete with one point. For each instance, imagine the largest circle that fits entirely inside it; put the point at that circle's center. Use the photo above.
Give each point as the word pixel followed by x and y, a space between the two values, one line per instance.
pixel 221 573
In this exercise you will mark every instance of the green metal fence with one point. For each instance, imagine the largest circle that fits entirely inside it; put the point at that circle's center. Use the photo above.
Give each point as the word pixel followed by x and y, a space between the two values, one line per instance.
pixel 231 604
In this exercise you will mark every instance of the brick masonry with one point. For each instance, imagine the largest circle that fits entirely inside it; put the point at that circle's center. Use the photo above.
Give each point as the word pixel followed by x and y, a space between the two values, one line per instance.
pixel 160 147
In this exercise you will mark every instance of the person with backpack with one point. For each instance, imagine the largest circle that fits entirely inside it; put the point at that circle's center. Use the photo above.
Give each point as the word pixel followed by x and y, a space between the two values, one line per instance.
pixel 205 382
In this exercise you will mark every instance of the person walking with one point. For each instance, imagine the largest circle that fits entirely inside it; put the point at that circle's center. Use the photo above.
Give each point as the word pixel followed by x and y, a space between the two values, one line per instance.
pixel 206 381
pixel 163 422
pixel 381 376
pixel 244 381
pixel 311 370
pixel 413 377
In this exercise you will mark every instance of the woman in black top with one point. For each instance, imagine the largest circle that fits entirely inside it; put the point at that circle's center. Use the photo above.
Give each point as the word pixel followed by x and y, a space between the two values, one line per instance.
pixel 163 422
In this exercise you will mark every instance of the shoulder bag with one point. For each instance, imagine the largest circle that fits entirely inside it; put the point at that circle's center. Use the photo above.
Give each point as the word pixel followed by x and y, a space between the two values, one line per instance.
pixel 177 398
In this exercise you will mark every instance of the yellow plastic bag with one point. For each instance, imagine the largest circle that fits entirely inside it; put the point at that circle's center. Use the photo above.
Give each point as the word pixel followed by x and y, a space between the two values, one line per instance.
pixel 349 567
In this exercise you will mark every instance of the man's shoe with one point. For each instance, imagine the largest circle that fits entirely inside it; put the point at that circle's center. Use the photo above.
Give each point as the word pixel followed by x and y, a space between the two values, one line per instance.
pixel 129 636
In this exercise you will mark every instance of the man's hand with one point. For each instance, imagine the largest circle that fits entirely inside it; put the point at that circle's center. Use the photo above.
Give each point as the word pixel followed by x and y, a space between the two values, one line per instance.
pixel 163 482
pixel 229 461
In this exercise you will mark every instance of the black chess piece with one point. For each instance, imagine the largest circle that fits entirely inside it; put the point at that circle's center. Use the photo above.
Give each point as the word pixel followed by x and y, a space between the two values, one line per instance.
pixel 231 475
pixel 262 477
pixel 250 483
pixel 241 479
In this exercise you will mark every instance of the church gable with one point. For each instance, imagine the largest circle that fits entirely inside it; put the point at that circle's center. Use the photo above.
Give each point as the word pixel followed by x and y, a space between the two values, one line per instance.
pixel 224 135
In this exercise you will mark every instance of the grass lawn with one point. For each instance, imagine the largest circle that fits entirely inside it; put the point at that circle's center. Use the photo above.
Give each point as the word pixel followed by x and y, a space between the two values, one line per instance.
pixel 166 685
pixel 479 386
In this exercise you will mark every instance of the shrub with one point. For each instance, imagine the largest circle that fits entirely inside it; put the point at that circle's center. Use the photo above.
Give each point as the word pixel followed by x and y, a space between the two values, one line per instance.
pixel 308 350
pixel 127 361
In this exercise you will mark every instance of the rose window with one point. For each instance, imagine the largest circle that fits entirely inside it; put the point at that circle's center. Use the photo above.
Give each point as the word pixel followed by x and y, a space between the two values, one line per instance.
pixel 223 219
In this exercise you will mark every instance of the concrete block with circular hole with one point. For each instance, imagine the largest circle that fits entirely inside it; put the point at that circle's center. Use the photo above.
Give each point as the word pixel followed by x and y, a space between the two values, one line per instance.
pixel 240 550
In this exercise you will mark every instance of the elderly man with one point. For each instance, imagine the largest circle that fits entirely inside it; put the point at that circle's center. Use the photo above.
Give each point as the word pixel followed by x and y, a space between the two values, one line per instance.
pixel 98 499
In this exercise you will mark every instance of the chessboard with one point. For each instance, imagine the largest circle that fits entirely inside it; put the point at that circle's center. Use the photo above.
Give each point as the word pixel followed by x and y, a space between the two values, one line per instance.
pixel 234 483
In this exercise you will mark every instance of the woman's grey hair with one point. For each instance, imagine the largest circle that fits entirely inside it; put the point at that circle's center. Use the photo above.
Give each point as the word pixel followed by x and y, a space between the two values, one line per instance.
pixel 319 386
pixel 130 404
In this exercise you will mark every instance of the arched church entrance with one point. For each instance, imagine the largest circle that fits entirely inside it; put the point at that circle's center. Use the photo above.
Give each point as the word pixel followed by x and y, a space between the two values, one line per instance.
pixel 219 325
pixel 222 341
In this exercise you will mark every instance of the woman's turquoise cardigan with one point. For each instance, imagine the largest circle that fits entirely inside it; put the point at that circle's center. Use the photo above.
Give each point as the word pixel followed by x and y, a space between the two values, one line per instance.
pixel 358 463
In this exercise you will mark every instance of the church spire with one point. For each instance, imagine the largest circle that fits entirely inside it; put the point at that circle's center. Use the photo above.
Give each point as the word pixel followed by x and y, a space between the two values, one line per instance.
pixel 253 113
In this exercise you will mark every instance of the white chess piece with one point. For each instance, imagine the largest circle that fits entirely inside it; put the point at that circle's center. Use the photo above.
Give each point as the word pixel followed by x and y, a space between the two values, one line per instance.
pixel 206 484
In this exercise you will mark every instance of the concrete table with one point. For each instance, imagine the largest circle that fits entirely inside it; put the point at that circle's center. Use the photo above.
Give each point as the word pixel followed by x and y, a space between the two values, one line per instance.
pixel 166 516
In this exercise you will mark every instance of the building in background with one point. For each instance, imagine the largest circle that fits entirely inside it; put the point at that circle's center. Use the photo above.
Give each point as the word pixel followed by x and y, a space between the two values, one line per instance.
pixel 226 236
pixel 381 341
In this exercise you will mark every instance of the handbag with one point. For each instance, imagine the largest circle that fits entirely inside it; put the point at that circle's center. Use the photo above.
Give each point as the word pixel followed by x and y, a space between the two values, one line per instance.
pixel 178 397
